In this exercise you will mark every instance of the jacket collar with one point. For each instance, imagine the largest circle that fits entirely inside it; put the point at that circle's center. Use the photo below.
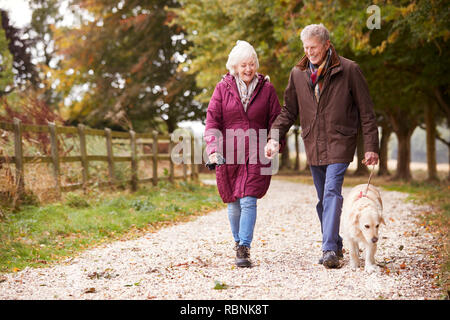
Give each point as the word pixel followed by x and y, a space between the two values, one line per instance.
pixel 335 61
pixel 229 79
pixel 231 84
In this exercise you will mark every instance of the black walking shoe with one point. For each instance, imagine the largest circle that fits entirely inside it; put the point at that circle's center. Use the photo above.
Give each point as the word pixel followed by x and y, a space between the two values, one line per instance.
pixel 330 259
pixel 243 257
pixel 339 254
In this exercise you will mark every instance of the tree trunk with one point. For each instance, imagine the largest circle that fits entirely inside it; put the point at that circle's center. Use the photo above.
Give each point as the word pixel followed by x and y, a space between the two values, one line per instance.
pixel 403 123
pixel 430 124
pixel 285 161
pixel 442 101
pixel 171 125
pixel 307 170
pixel 386 132
pixel 448 147
pixel 361 169
pixel 404 156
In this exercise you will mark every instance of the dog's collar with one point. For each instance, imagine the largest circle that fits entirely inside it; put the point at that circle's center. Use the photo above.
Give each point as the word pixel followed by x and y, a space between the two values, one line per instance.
pixel 361 195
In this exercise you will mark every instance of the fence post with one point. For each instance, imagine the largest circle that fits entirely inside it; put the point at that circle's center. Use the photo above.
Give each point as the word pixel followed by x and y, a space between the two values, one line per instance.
pixel 171 166
pixel 155 158
pixel 55 156
pixel 184 168
pixel 134 163
pixel 186 156
pixel 194 166
pixel 18 157
pixel 192 157
pixel 109 151
pixel 83 153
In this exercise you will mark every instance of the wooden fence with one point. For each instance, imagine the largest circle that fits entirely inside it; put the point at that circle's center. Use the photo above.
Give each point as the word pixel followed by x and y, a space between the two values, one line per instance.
pixel 82 131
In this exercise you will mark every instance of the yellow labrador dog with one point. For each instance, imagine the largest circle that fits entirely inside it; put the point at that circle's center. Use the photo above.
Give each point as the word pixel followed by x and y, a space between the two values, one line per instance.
pixel 361 219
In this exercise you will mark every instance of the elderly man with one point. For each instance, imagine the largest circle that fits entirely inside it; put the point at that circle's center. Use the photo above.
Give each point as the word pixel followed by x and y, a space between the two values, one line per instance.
pixel 330 95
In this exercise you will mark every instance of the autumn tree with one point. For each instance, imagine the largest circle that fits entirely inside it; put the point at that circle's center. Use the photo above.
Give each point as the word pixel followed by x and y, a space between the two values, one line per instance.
pixel 404 60
pixel 46 17
pixel 215 26
pixel 6 65
pixel 123 61
pixel 15 44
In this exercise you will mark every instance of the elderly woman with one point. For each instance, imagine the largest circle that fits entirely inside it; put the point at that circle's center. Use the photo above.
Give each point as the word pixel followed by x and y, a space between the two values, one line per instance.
pixel 244 105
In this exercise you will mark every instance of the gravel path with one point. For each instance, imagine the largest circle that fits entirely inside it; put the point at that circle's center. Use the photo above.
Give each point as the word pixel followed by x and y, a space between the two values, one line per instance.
pixel 185 261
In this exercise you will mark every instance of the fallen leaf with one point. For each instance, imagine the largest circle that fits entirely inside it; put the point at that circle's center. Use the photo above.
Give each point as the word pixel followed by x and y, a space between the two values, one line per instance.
pixel 220 285
pixel 181 264
pixel 90 290
pixel 402 266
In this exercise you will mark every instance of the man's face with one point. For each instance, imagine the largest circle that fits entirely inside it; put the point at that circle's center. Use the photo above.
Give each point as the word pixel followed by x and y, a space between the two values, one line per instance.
pixel 315 49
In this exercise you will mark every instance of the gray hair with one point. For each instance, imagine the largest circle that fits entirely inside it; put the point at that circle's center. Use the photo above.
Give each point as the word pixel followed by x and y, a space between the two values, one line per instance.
pixel 315 31
pixel 241 51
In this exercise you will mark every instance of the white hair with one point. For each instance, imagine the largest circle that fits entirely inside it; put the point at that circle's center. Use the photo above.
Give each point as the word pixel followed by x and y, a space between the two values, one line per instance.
pixel 315 31
pixel 241 51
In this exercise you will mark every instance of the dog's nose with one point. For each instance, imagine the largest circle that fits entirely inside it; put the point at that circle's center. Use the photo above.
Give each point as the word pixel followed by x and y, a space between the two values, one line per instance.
pixel 374 239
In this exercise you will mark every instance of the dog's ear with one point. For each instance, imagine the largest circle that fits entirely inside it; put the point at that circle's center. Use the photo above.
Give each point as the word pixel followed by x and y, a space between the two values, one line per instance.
pixel 382 220
pixel 355 217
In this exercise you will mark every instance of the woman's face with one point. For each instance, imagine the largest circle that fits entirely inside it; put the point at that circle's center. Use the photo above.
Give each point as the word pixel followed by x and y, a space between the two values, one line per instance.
pixel 246 70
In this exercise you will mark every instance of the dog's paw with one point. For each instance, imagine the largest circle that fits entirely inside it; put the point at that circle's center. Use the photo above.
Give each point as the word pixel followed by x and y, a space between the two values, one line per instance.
pixel 370 268
pixel 354 265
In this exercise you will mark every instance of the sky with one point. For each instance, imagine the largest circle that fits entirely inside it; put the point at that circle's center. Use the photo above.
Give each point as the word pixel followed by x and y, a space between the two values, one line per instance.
pixel 19 11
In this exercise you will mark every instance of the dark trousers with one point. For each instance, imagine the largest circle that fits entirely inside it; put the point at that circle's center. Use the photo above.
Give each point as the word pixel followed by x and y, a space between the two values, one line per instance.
pixel 328 181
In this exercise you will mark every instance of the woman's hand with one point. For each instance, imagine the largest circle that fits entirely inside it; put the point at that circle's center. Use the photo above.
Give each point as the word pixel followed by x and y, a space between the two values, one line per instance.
pixel 271 149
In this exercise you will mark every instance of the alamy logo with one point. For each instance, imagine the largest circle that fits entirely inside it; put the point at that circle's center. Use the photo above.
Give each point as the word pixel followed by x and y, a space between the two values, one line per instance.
pixel 374 20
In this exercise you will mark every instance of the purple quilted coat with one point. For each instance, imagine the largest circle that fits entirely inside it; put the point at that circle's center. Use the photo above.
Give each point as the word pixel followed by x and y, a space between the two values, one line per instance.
pixel 229 128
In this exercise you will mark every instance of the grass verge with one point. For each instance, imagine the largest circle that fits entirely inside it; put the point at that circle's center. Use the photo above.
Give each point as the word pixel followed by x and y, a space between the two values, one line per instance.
pixel 39 235
pixel 436 221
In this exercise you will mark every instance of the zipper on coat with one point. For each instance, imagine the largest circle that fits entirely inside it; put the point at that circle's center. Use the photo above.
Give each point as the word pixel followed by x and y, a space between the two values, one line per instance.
pixel 316 117
pixel 255 92
pixel 325 85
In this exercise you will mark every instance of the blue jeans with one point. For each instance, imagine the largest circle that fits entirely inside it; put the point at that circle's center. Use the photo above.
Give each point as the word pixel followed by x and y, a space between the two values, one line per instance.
pixel 242 216
pixel 328 181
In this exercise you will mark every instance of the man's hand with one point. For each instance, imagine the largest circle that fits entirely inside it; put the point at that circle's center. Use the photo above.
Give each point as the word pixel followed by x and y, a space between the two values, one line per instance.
pixel 271 149
pixel 370 158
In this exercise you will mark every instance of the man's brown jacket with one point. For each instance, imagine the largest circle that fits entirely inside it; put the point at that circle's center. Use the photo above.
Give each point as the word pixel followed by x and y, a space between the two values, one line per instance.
pixel 330 126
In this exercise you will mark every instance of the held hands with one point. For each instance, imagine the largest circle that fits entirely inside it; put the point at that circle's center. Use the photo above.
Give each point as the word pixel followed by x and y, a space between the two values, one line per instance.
pixel 213 157
pixel 271 149
pixel 370 158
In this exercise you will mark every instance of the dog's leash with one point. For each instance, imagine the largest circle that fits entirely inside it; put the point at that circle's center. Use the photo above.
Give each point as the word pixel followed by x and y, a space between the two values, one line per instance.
pixel 370 178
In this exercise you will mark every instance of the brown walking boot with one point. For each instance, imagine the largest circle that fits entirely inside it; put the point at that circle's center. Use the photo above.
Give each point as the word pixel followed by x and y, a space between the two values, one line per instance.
pixel 243 257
